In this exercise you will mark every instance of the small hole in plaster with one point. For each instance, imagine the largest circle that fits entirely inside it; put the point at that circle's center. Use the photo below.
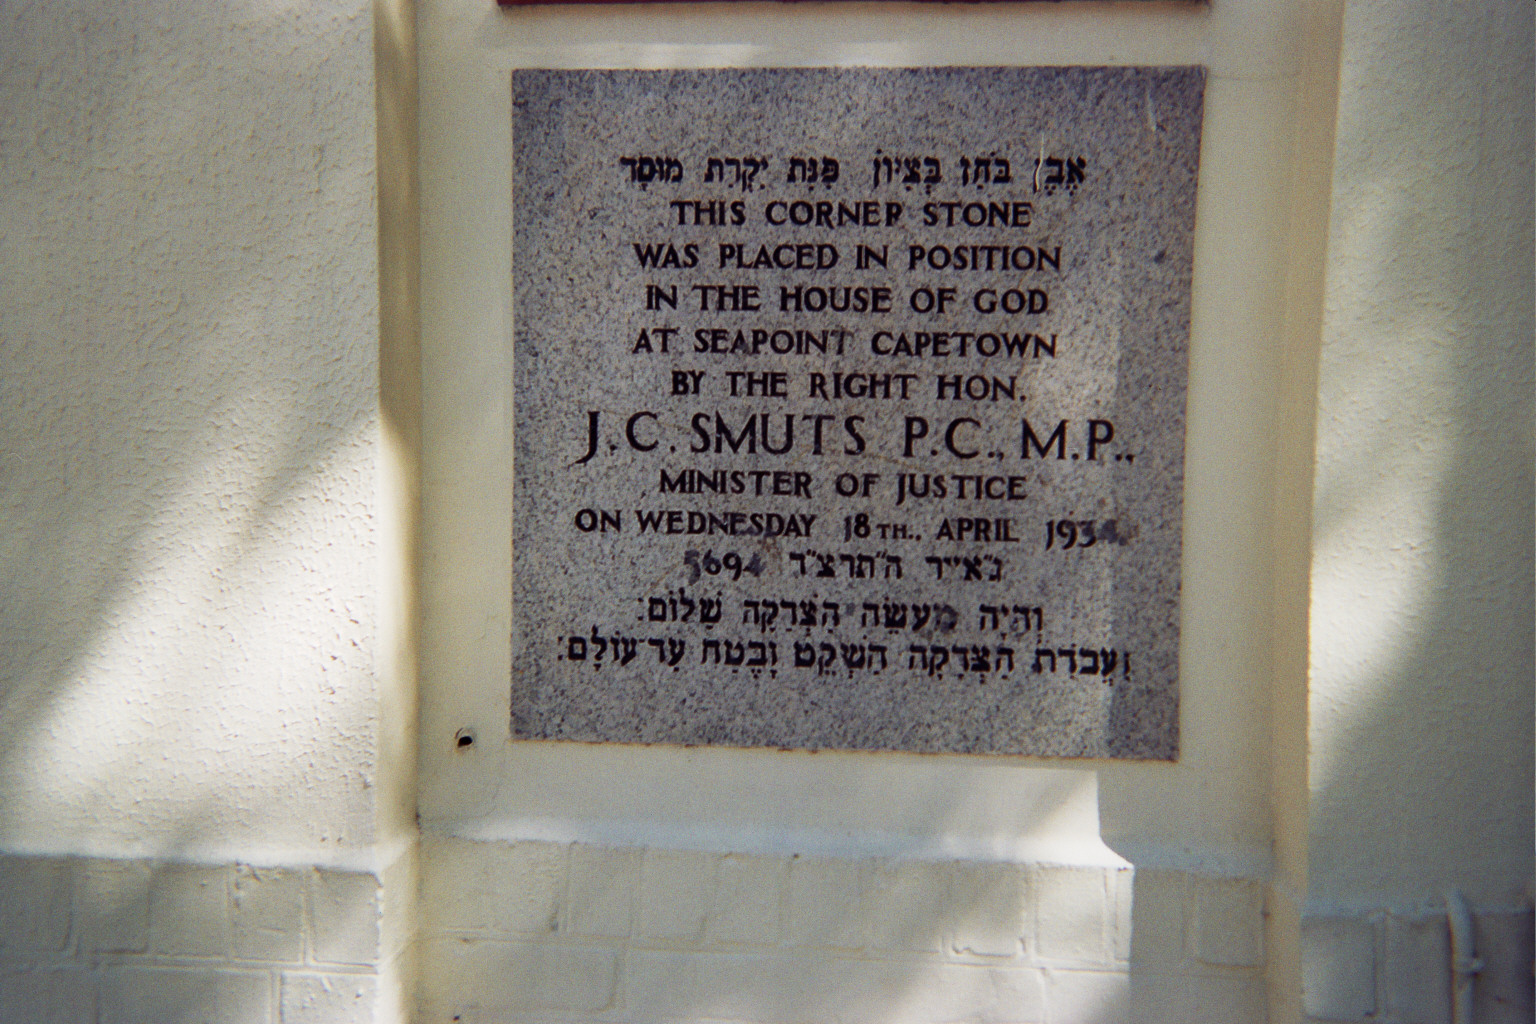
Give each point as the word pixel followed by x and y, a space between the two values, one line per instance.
pixel 464 739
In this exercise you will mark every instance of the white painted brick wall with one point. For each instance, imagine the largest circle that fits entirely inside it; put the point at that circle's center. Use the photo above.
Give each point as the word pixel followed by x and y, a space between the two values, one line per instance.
pixel 345 918
pixel 1072 915
pixel 823 903
pixel 792 989
pixel 49 995
pixel 1507 947
pixel 112 905
pixel 677 890
pixel 1228 922
pixel 327 998
pixel 1160 907
pixel 905 904
pixel 601 891
pixel 268 909
pixel 1417 985
pixel 561 934
pixel 1100 997
pixel 572 934
pixel 34 905
pixel 156 995
pixel 747 903
pixel 491 979
pixel 1393 968
pixel 1122 898
pixel 86 941
pixel 1338 968
pixel 510 889
pixel 1199 998
pixel 994 905
pixel 189 912
pixel 576 934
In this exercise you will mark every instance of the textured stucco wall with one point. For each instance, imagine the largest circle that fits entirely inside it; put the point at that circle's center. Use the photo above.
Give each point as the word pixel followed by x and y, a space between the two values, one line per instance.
pixel 1421 695
pixel 204 649
pixel 188 430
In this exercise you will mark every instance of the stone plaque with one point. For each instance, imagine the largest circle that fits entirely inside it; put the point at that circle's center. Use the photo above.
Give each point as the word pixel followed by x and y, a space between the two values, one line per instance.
pixel 850 406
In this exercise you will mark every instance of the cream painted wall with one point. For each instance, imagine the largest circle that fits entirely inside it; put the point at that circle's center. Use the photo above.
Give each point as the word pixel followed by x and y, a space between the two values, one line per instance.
pixel 206 586
pixel 190 563
pixel 1211 809
pixel 1421 662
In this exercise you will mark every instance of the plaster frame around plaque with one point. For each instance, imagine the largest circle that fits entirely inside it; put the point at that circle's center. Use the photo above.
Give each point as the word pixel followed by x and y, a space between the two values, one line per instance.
pixel 1173 257
pixel 550 3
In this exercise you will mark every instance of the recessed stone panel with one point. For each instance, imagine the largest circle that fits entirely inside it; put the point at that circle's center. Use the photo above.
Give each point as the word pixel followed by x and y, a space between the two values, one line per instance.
pixel 850 406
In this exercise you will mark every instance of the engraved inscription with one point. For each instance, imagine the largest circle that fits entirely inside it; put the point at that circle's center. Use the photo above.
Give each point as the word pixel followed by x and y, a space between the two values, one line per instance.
pixel 850 407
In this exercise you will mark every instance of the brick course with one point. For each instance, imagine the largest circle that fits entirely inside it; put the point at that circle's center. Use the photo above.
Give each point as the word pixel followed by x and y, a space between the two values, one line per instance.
pixel 552 933
pixel 93 941
pixel 651 936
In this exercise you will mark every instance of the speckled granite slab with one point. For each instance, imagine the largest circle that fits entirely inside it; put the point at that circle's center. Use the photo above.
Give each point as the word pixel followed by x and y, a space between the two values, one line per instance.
pixel 850 407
